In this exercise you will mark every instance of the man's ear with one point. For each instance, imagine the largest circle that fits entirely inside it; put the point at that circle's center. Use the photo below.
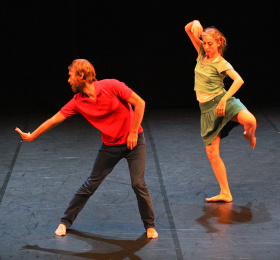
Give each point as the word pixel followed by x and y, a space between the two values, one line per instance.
pixel 82 76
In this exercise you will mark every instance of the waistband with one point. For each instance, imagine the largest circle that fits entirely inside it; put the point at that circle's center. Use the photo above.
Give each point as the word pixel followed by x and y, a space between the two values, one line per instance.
pixel 211 104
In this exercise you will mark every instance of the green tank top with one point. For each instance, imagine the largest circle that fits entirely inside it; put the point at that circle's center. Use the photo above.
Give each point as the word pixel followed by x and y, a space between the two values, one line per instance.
pixel 209 77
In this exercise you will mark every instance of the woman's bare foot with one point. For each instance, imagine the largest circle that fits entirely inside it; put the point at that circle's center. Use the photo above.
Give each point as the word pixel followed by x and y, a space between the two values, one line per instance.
pixel 151 233
pixel 220 197
pixel 61 230
pixel 252 140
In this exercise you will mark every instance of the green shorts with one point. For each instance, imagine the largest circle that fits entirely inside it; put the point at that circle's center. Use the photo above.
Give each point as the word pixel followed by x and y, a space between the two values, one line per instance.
pixel 211 124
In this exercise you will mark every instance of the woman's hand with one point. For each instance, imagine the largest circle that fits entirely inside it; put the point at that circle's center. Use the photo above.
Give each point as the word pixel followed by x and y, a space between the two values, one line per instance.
pixel 194 29
pixel 197 28
pixel 237 83
pixel 221 108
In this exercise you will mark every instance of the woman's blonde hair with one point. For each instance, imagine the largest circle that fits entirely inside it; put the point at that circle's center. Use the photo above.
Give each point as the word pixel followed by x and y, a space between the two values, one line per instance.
pixel 82 66
pixel 218 36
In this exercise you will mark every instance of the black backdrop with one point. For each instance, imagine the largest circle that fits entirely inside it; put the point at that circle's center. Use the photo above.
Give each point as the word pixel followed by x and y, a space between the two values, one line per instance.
pixel 142 43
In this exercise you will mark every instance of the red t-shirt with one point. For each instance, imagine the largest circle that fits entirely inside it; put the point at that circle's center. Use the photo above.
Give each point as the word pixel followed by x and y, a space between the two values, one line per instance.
pixel 110 114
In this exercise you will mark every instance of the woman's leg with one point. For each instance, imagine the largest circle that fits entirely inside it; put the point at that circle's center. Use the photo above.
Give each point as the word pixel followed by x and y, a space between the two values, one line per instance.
pixel 213 153
pixel 249 122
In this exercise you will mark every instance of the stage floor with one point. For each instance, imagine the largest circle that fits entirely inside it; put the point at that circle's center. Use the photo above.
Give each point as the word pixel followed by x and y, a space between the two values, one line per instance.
pixel 38 180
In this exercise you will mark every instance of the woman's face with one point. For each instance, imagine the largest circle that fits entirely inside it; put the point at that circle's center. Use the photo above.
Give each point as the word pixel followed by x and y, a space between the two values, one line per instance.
pixel 210 45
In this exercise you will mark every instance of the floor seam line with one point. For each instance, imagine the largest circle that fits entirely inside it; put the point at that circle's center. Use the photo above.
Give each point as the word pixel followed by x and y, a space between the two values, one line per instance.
pixel 11 167
pixel 272 124
pixel 171 222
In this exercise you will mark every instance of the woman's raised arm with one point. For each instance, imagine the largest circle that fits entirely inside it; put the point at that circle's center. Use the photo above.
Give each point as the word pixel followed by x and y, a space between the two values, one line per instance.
pixel 194 29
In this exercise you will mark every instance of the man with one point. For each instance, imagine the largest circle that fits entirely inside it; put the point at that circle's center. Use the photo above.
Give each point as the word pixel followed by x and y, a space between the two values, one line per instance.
pixel 106 104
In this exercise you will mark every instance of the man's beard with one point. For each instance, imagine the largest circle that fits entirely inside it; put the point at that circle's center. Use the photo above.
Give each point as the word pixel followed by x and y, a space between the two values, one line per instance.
pixel 78 87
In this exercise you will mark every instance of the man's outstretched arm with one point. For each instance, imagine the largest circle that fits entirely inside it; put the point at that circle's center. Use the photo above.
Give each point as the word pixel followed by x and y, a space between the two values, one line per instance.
pixel 47 125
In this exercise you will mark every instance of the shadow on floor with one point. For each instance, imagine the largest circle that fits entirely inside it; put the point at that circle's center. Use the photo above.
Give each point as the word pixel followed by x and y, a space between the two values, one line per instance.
pixel 127 248
pixel 230 214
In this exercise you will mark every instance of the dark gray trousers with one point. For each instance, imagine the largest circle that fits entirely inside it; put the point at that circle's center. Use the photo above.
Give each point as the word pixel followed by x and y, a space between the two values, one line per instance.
pixel 107 158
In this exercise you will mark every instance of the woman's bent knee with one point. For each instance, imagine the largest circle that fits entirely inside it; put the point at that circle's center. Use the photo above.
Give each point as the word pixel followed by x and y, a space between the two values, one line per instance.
pixel 252 122
pixel 247 119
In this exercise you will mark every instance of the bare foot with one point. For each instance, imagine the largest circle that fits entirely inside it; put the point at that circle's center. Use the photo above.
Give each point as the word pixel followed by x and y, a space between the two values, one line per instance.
pixel 220 197
pixel 61 230
pixel 151 233
pixel 252 140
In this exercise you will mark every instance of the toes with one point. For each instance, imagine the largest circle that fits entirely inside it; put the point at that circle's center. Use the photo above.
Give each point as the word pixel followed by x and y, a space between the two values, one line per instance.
pixel 219 198
pixel 151 233
pixel 61 230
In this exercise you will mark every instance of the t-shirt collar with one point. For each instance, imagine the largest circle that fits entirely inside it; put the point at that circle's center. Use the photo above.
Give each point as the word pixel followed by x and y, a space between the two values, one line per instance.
pixel 97 87
pixel 97 91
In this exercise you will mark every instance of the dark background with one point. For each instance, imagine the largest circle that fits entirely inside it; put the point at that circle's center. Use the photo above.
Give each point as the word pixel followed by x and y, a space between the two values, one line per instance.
pixel 142 43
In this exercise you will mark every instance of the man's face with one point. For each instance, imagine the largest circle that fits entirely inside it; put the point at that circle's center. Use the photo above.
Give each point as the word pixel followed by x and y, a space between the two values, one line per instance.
pixel 76 84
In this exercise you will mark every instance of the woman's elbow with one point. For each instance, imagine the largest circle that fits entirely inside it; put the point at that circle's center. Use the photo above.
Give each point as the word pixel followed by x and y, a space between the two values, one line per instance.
pixel 240 81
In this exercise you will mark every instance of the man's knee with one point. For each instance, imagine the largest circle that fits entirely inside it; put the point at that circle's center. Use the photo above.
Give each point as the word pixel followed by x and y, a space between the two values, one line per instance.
pixel 89 186
pixel 138 186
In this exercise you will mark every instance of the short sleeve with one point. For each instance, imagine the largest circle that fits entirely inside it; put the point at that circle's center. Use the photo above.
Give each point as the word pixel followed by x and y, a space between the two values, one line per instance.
pixel 120 89
pixel 223 66
pixel 69 109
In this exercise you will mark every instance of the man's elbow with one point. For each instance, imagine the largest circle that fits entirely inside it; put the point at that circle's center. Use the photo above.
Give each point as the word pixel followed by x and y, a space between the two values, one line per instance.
pixel 57 118
pixel 140 103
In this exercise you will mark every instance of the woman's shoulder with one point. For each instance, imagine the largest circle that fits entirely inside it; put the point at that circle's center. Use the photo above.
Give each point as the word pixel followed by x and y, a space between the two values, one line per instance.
pixel 223 64
pixel 222 60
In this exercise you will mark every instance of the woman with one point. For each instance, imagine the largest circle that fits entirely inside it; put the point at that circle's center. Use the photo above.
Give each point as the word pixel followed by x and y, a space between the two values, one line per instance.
pixel 220 111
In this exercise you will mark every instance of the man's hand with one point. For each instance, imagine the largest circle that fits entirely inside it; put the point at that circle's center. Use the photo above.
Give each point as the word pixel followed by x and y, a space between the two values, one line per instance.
pixel 132 140
pixel 25 136
pixel 139 108
pixel 47 125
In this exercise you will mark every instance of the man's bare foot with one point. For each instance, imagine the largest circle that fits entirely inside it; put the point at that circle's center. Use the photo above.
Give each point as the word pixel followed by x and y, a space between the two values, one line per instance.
pixel 151 233
pixel 220 197
pixel 252 140
pixel 61 230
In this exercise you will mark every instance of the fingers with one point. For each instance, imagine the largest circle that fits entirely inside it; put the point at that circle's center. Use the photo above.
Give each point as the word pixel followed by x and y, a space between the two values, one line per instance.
pixel 131 145
pixel 221 108
pixel 194 31
pixel 18 130
pixel 24 136
pixel 197 32
pixel 220 112
pixel 197 29
pixel 132 140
